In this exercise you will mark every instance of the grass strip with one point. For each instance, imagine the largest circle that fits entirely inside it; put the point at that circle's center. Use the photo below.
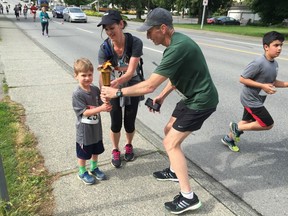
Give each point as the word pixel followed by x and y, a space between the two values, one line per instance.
pixel 28 182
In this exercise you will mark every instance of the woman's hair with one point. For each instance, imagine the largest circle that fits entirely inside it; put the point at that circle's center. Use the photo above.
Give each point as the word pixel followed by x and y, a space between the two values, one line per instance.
pixel 83 65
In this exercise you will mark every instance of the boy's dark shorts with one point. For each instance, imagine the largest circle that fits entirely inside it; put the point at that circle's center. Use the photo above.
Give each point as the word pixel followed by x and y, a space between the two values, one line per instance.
pixel 260 114
pixel 86 152
pixel 189 119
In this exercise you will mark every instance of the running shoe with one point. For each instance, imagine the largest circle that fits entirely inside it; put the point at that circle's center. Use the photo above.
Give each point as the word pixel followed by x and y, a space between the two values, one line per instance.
pixel 129 154
pixel 165 175
pixel 231 144
pixel 181 204
pixel 86 178
pixel 116 160
pixel 235 132
pixel 98 174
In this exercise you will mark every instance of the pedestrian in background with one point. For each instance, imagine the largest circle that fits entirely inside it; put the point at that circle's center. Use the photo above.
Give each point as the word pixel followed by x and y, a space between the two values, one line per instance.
pixel 25 10
pixel 16 10
pixel 125 53
pixel 183 63
pixel 259 80
pixel 33 10
pixel 44 17
pixel 88 106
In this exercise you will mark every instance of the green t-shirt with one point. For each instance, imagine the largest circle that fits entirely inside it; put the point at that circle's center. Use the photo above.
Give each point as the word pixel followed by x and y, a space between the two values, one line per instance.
pixel 184 64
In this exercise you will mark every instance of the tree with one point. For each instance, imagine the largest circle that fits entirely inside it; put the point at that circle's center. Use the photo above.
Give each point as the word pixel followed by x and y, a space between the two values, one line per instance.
pixel 270 11
pixel 77 2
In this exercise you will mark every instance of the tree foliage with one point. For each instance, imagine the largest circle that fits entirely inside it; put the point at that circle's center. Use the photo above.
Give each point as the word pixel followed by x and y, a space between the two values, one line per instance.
pixel 270 11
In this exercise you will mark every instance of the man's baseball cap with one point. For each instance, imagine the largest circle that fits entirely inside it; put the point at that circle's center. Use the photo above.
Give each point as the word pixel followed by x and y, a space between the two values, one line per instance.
pixel 110 17
pixel 156 17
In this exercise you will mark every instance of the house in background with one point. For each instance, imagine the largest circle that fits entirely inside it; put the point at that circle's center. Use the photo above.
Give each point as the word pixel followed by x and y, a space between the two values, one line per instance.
pixel 243 13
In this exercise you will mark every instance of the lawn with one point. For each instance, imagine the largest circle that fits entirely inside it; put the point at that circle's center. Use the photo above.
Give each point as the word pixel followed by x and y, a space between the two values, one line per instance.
pixel 28 182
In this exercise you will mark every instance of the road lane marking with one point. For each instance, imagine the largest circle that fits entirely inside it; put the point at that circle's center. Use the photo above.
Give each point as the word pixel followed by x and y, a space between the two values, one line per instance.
pixel 85 30
pixel 237 50
pixel 155 50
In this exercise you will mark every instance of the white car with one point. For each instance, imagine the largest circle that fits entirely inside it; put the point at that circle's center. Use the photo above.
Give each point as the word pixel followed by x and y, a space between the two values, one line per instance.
pixel 74 14
pixel 5 1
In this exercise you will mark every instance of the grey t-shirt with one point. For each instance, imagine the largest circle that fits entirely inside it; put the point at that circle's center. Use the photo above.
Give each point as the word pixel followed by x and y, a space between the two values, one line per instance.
pixel 124 59
pixel 260 70
pixel 88 129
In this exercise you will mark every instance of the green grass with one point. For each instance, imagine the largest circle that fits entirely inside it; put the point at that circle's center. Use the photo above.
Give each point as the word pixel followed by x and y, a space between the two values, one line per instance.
pixel 255 31
pixel 28 183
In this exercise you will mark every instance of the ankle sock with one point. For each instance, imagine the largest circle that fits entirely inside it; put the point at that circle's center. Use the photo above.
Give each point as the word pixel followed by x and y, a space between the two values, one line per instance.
pixel 93 165
pixel 172 170
pixel 82 170
pixel 188 195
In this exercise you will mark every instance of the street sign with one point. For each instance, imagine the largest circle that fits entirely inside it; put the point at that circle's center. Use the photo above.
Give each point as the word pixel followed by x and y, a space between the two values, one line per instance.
pixel 205 2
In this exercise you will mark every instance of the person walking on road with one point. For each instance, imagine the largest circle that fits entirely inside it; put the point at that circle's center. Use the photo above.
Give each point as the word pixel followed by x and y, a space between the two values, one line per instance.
pixel 87 106
pixel 33 10
pixel 44 17
pixel 17 11
pixel 25 10
pixel 259 79
pixel 184 66
pixel 124 53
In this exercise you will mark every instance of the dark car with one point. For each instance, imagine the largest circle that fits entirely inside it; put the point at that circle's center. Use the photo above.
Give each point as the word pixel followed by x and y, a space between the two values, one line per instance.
pixel 58 11
pixel 225 20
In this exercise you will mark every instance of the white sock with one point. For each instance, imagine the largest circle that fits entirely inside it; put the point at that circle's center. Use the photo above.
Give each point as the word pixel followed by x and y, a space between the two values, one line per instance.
pixel 172 169
pixel 188 195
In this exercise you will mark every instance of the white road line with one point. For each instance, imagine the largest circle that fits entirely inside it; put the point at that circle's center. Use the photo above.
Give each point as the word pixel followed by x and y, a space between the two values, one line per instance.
pixel 153 49
pixel 239 42
pixel 85 30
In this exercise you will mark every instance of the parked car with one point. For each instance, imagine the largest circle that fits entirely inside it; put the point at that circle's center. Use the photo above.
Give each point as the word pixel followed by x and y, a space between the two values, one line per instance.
pixel 57 11
pixel 222 20
pixel 74 14
pixel 211 20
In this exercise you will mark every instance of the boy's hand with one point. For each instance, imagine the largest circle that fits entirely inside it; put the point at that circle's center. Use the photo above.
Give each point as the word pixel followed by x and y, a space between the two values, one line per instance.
pixel 106 107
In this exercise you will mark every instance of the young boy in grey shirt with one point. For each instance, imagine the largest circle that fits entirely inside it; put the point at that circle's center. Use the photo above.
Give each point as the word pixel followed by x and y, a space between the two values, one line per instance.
pixel 259 79
pixel 87 105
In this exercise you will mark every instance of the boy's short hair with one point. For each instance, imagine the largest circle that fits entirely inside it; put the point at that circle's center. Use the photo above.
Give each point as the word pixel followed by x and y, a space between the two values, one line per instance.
pixel 269 37
pixel 83 65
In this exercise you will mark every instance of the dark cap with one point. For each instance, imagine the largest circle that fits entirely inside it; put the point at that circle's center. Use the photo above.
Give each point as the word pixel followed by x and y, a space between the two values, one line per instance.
pixel 156 17
pixel 110 17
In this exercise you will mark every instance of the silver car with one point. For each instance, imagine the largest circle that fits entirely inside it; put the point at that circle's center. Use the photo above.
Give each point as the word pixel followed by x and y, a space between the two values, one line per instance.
pixel 74 14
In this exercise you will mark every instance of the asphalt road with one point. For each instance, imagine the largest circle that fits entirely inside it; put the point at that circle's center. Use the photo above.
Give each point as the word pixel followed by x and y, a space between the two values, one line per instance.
pixel 258 174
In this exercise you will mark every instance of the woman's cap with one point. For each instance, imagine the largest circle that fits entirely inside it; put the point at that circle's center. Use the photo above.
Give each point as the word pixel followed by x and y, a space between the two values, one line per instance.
pixel 110 17
pixel 156 17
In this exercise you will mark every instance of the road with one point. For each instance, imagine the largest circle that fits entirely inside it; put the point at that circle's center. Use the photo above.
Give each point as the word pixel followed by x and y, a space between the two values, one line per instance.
pixel 258 174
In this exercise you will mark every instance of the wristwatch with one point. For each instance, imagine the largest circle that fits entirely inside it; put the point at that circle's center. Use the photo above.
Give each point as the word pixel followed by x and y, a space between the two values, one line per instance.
pixel 119 93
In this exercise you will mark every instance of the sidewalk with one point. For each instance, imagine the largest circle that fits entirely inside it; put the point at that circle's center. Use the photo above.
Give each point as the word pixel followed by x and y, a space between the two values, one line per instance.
pixel 131 190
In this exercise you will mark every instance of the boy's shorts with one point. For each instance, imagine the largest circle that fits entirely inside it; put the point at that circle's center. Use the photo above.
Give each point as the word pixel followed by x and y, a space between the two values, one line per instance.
pixel 85 152
pixel 260 114
pixel 189 119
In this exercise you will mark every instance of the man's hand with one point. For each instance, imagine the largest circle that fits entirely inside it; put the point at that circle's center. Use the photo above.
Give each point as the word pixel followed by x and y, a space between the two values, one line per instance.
pixel 108 92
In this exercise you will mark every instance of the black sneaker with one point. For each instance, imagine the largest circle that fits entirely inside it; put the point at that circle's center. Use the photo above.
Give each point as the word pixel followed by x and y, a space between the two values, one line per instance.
pixel 181 204
pixel 129 154
pixel 116 160
pixel 165 175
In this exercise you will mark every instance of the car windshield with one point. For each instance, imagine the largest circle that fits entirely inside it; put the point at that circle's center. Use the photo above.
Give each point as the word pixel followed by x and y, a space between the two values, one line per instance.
pixel 75 10
pixel 60 8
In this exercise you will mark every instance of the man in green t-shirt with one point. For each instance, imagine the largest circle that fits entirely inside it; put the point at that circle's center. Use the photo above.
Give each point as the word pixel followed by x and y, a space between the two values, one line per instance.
pixel 184 66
